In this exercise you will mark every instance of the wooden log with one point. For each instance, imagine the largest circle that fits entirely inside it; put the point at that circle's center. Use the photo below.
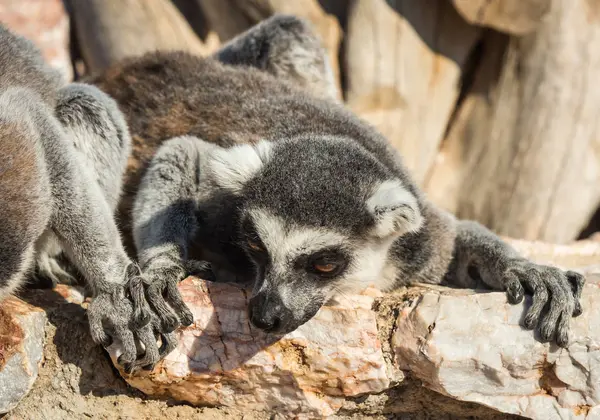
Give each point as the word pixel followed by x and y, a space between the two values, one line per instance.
pixel 516 17
pixel 110 30
pixel 526 141
pixel 403 66
pixel 229 18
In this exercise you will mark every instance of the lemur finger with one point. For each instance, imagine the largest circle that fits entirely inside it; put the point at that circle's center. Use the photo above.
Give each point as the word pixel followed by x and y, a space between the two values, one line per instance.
pixel 168 319
pixel 99 335
pixel 559 301
pixel 514 289
pixel 577 281
pixel 141 311
pixel 151 355
pixel 129 348
pixel 532 280
pixel 174 299
pixel 562 330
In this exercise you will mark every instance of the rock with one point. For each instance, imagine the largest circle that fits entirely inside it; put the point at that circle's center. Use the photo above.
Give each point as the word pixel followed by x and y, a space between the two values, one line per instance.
pixel 45 23
pixel 370 353
pixel 470 346
pixel 21 348
pixel 222 360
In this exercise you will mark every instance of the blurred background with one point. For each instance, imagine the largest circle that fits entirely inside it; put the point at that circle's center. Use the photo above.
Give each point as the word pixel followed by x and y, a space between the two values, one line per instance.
pixel 492 103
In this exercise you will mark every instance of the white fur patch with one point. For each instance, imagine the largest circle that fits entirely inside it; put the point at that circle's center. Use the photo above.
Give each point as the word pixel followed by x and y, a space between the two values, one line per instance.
pixel 233 167
pixel 395 208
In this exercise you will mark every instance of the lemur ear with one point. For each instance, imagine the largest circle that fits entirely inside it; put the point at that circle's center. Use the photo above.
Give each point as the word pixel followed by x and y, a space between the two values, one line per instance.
pixel 233 167
pixel 395 209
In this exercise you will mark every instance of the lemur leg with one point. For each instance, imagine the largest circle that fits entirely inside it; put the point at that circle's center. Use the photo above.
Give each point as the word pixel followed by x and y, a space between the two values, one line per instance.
pixel 164 222
pixel 482 257
pixel 288 48
pixel 99 134
pixel 83 220
pixel 25 198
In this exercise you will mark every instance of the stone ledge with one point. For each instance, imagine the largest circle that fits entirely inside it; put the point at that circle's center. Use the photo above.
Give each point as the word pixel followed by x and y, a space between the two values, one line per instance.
pixel 463 344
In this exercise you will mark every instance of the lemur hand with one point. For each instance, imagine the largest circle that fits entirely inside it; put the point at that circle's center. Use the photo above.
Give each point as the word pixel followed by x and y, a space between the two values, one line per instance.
pixel 111 316
pixel 160 284
pixel 556 296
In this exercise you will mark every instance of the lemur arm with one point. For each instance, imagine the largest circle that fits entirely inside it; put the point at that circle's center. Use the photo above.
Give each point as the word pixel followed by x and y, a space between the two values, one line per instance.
pixel 82 220
pixel 482 257
pixel 164 222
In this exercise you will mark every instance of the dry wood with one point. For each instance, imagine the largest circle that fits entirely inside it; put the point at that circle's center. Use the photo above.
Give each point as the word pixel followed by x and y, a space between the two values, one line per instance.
pixel 231 17
pixel 403 70
pixel 524 148
pixel 517 17
pixel 110 30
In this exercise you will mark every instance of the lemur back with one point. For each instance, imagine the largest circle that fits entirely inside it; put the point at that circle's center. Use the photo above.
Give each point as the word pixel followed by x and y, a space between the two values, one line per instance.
pixel 169 94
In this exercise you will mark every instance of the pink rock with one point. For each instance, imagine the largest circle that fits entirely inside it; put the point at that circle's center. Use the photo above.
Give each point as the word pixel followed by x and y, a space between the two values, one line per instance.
pixel 465 345
pixel 45 23
pixel 222 360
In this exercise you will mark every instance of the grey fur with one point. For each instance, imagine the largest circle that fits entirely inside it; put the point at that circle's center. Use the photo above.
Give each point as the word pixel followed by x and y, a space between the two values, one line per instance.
pixel 287 48
pixel 66 149
pixel 263 161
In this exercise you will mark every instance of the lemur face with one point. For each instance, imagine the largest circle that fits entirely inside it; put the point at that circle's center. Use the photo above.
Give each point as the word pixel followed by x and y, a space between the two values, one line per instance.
pixel 299 268
pixel 318 218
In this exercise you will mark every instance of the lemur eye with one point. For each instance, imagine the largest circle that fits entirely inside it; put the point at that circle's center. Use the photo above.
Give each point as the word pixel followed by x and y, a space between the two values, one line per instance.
pixel 325 268
pixel 254 246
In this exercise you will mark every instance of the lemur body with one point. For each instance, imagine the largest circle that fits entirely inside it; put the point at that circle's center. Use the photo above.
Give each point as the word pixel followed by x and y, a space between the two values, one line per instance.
pixel 234 165
pixel 291 193
pixel 63 151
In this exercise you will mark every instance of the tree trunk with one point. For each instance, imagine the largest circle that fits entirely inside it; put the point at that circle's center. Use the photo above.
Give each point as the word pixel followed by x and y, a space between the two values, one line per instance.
pixel 110 30
pixel 516 17
pixel 525 147
pixel 403 69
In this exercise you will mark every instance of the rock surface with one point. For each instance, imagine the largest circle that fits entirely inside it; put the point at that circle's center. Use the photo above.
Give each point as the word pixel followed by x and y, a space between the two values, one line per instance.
pixel 21 348
pixel 46 24
pixel 470 346
pixel 462 344
pixel 222 360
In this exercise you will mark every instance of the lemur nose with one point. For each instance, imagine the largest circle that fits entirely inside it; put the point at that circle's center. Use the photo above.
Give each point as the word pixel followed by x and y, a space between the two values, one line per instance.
pixel 265 313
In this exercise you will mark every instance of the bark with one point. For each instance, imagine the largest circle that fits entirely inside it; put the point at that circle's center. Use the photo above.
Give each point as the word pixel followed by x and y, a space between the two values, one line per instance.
pixel 524 148
pixel 110 30
pixel 516 17
pixel 404 65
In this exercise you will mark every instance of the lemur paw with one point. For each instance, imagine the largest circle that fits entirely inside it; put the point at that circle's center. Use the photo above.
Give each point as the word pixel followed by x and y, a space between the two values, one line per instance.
pixel 110 316
pixel 164 297
pixel 556 297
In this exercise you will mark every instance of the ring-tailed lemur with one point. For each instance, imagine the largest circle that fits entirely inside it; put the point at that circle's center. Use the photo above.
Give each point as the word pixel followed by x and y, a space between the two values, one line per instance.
pixel 63 150
pixel 275 187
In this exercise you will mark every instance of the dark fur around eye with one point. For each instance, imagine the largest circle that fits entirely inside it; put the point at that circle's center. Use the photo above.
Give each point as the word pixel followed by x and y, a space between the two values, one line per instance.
pixel 248 235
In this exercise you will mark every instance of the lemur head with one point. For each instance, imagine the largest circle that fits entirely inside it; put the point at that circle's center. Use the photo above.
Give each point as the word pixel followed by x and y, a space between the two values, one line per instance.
pixel 318 217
